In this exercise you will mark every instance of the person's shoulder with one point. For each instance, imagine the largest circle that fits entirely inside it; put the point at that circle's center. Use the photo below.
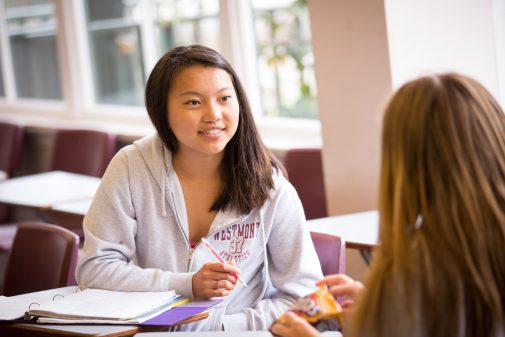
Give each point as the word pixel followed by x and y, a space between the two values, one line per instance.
pixel 278 178
pixel 149 146
pixel 147 143
pixel 281 183
pixel 145 149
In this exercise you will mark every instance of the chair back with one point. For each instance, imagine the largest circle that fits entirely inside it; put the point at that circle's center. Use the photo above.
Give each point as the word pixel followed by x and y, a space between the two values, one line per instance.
pixel 43 256
pixel 83 151
pixel 11 138
pixel 305 172
pixel 331 252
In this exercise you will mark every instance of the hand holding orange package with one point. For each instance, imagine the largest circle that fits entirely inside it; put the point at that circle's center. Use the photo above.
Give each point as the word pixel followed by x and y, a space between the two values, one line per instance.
pixel 319 309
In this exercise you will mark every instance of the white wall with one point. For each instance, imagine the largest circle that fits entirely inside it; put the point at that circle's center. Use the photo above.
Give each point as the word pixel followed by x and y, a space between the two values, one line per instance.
pixel 358 63
pixel 436 36
pixel 499 33
pixel 353 80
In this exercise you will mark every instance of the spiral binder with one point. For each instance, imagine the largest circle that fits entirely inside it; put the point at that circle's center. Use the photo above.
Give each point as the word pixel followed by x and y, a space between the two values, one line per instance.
pixel 71 305
pixel 28 317
pixel 15 308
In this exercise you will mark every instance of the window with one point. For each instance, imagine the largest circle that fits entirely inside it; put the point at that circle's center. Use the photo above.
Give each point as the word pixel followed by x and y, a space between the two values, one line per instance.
pixel 87 61
pixel 31 29
pixel 116 46
pixel 285 60
pixel 2 89
pixel 182 22
pixel 116 58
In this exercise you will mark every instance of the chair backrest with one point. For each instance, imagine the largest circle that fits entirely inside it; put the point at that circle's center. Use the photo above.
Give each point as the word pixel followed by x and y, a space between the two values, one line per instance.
pixel 43 256
pixel 331 252
pixel 11 139
pixel 83 151
pixel 305 172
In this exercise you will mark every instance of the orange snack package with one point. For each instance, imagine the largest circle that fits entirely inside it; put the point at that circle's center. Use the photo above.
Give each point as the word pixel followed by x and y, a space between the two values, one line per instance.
pixel 320 309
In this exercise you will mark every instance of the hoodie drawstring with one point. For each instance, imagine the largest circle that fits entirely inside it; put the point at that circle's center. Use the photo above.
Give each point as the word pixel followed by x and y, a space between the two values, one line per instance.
pixel 163 177
pixel 163 206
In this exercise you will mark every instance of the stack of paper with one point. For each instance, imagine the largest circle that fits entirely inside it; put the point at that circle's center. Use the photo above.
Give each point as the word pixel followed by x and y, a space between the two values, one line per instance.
pixel 105 307
pixel 12 308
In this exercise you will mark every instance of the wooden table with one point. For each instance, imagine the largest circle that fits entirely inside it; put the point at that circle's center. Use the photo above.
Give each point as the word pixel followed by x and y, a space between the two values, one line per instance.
pixel 32 329
pixel 359 230
pixel 43 330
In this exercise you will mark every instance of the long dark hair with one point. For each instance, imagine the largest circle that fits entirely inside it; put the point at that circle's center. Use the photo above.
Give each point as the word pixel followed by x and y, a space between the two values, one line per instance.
pixel 247 166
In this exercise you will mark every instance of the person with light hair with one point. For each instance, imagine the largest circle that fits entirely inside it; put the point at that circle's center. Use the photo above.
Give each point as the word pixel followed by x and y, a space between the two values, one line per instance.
pixel 440 267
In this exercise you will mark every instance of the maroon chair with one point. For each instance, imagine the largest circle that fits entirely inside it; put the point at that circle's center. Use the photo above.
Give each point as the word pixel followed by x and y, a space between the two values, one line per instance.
pixel 83 151
pixel 331 252
pixel 11 139
pixel 80 151
pixel 43 256
pixel 305 172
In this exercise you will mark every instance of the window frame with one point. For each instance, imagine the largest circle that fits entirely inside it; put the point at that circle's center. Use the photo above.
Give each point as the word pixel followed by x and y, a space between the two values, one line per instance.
pixel 78 107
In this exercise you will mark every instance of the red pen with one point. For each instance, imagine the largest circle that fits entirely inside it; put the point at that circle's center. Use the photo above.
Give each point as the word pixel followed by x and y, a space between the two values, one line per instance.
pixel 220 258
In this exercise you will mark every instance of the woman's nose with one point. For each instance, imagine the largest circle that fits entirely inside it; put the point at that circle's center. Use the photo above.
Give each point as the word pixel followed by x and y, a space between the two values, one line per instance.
pixel 213 113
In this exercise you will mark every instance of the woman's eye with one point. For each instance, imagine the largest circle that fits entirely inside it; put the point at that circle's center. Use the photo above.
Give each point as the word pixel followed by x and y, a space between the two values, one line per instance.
pixel 226 98
pixel 192 102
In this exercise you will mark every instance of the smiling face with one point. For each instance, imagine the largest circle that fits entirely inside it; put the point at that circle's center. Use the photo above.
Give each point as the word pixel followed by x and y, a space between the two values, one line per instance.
pixel 203 110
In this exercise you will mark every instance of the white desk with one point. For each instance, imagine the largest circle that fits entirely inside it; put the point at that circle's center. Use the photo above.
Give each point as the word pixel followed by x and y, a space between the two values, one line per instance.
pixel 359 230
pixel 221 334
pixel 79 207
pixel 44 190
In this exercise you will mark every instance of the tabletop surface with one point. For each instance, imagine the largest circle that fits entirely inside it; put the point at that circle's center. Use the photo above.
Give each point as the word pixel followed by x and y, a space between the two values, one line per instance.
pixel 78 207
pixel 222 334
pixel 44 190
pixel 359 230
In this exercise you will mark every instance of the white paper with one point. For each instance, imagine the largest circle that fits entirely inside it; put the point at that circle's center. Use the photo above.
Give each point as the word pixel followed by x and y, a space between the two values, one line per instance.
pixel 13 307
pixel 93 304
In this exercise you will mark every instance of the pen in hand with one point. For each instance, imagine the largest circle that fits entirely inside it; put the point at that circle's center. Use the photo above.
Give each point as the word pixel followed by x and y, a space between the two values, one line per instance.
pixel 220 258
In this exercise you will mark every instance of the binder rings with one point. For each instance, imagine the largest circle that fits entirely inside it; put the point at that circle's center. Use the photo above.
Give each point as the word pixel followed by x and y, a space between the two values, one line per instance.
pixel 69 305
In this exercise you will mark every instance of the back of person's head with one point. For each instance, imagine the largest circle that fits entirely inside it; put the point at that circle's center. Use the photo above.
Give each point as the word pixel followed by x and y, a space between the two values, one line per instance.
pixel 248 165
pixel 442 207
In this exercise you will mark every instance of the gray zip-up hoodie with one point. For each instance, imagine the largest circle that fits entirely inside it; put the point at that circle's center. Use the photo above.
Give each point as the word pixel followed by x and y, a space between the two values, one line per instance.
pixel 136 239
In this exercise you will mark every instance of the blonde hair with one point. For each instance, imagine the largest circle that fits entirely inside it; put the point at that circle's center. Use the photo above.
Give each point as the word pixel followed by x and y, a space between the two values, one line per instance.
pixel 442 211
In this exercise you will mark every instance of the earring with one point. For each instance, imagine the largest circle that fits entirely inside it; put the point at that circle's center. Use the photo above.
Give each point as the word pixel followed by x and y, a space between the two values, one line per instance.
pixel 419 221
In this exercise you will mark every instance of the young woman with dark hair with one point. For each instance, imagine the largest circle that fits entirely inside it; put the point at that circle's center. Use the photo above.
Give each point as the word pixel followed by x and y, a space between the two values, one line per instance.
pixel 204 174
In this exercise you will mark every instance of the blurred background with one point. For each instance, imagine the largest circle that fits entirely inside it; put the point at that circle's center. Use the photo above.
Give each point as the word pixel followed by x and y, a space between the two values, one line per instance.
pixel 317 72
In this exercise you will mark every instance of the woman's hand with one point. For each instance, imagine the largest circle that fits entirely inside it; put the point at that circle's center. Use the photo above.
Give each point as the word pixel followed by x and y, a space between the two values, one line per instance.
pixel 344 287
pixel 293 326
pixel 214 280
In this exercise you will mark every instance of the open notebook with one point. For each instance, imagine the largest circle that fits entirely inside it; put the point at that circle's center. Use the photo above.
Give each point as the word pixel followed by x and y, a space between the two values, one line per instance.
pixel 97 306
pixel 105 306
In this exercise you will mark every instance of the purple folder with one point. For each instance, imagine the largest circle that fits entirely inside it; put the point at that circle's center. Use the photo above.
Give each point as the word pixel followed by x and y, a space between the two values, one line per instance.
pixel 179 313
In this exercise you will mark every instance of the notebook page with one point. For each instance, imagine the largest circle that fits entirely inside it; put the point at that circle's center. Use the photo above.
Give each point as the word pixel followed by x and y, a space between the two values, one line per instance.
pixel 139 319
pixel 15 307
pixel 104 304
